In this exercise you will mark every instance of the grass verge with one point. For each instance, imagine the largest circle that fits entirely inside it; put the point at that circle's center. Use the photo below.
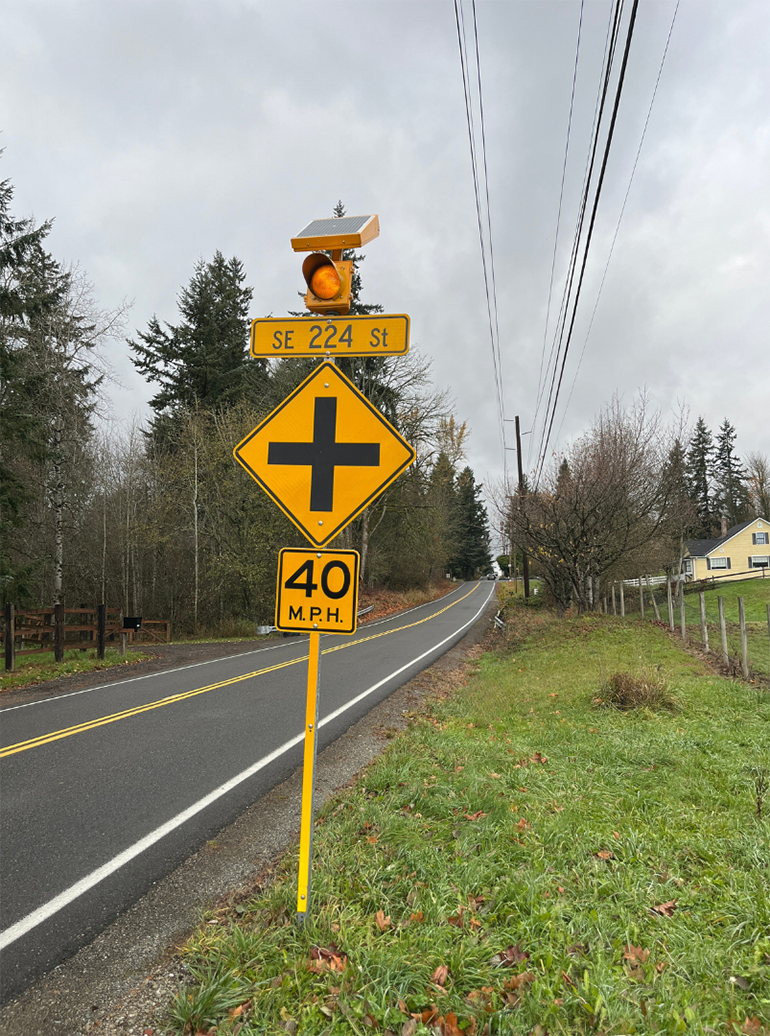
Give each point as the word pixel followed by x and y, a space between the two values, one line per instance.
pixel 32 669
pixel 522 861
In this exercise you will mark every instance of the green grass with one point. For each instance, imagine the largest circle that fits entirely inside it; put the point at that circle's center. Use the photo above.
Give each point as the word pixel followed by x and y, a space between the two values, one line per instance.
pixel 520 815
pixel 755 594
pixel 32 669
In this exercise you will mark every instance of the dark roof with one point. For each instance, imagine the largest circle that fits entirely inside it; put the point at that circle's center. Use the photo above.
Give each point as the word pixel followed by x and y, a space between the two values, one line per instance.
pixel 700 548
pixel 739 528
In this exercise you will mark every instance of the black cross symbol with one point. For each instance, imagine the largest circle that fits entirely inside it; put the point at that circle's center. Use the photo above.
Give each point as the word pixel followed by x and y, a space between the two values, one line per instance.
pixel 323 454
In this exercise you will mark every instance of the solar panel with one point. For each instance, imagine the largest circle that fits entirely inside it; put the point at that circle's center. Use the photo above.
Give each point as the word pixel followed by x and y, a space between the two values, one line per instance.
pixel 343 225
pixel 343 232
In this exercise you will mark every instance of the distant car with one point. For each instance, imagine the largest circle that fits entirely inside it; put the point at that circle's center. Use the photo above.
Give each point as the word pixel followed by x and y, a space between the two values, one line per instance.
pixel 491 576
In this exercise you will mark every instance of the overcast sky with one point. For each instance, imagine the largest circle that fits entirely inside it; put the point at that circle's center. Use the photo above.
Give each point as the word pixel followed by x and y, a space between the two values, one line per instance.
pixel 157 132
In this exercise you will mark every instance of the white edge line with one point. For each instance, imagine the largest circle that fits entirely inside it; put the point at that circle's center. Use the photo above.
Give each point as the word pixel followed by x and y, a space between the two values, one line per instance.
pixel 69 895
pixel 209 661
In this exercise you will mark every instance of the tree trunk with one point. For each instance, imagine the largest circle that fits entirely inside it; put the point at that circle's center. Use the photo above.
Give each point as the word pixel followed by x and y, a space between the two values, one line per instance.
pixel 58 506
pixel 364 544
pixel 195 533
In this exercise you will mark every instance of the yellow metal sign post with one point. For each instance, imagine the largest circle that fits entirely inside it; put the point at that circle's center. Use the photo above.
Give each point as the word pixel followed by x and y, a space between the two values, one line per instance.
pixel 380 335
pixel 317 591
pixel 308 776
pixel 323 456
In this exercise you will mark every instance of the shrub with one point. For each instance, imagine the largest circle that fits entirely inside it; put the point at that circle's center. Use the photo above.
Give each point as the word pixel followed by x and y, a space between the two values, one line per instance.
pixel 645 689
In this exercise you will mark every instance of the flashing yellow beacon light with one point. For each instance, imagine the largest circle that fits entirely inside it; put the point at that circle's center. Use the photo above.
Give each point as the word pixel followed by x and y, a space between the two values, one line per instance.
pixel 329 277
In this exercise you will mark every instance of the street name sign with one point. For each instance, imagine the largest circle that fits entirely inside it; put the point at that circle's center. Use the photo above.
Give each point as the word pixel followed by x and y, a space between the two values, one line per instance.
pixel 324 454
pixel 317 591
pixel 378 335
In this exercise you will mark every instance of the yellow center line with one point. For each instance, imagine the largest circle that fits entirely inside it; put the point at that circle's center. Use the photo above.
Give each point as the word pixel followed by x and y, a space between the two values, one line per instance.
pixel 100 721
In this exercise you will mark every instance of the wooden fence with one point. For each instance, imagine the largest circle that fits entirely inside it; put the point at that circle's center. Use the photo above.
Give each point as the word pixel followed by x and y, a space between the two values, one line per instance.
pixel 744 645
pixel 30 631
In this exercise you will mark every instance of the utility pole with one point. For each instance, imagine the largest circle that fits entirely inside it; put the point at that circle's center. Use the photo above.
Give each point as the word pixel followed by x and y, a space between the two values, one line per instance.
pixel 525 559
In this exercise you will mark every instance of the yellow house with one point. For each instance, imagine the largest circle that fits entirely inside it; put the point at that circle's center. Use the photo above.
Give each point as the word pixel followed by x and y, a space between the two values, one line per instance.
pixel 737 554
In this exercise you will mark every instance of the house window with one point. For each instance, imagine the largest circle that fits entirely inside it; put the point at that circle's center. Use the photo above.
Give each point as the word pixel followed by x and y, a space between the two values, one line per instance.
pixel 760 537
pixel 687 567
pixel 759 561
pixel 719 563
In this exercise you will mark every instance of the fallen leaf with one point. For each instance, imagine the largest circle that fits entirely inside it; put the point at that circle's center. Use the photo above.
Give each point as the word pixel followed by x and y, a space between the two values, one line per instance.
pixel 635 954
pixel 498 775
pixel 383 922
pixel 660 966
pixel 409 1028
pixel 523 825
pixel 402 1007
pixel 417 917
pixel 509 957
pixel 665 909
pixel 439 976
pixel 605 854
pixel 752 1026
pixel 616 834
pixel 520 980
pixel 539 1030
pixel 475 816
pixel 371 839
pixel 427 1015
pixel 567 979
pixel 538 757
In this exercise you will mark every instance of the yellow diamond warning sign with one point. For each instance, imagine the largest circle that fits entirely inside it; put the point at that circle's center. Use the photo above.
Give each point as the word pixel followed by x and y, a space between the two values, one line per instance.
pixel 317 591
pixel 324 454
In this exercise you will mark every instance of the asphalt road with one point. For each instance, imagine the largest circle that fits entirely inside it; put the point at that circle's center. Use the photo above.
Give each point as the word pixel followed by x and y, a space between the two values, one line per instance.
pixel 106 790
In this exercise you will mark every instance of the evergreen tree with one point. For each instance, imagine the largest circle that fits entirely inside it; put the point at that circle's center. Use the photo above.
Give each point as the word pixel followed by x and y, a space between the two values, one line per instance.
pixel 24 296
pixel 700 455
pixel 472 550
pixel 731 495
pixel 204 359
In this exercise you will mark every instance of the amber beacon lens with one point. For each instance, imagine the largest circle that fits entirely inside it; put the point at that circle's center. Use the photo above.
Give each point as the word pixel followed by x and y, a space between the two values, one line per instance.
pixel 325 282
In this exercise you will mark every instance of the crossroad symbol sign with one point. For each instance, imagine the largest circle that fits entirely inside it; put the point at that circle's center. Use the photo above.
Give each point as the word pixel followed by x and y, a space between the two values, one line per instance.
pixel 324 454
pixel 317 591
pixel 379 335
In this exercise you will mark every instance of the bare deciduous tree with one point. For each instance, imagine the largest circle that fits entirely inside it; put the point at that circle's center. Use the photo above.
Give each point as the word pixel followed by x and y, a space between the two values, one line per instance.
pixel 609 497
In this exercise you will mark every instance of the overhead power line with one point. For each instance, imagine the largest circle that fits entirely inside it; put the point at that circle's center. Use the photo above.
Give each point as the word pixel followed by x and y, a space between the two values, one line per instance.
pixel 589 235
pixel 620 217
pixel 487 251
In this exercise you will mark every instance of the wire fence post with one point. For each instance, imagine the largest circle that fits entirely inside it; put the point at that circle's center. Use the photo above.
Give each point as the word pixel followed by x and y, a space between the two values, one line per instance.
pixel 614 608
pixel 10 620
pixel 723 630
pixel 681 615
pixel 670 600
pixel 704 633
pixel 622 601
pixel 744 640
pixel 641 598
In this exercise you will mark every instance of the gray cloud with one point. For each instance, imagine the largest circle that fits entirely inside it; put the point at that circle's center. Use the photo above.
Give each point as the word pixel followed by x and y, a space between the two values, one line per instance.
pixel 157 132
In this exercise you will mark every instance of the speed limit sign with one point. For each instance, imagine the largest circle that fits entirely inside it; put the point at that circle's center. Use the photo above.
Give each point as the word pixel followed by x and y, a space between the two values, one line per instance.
pixel 317 591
